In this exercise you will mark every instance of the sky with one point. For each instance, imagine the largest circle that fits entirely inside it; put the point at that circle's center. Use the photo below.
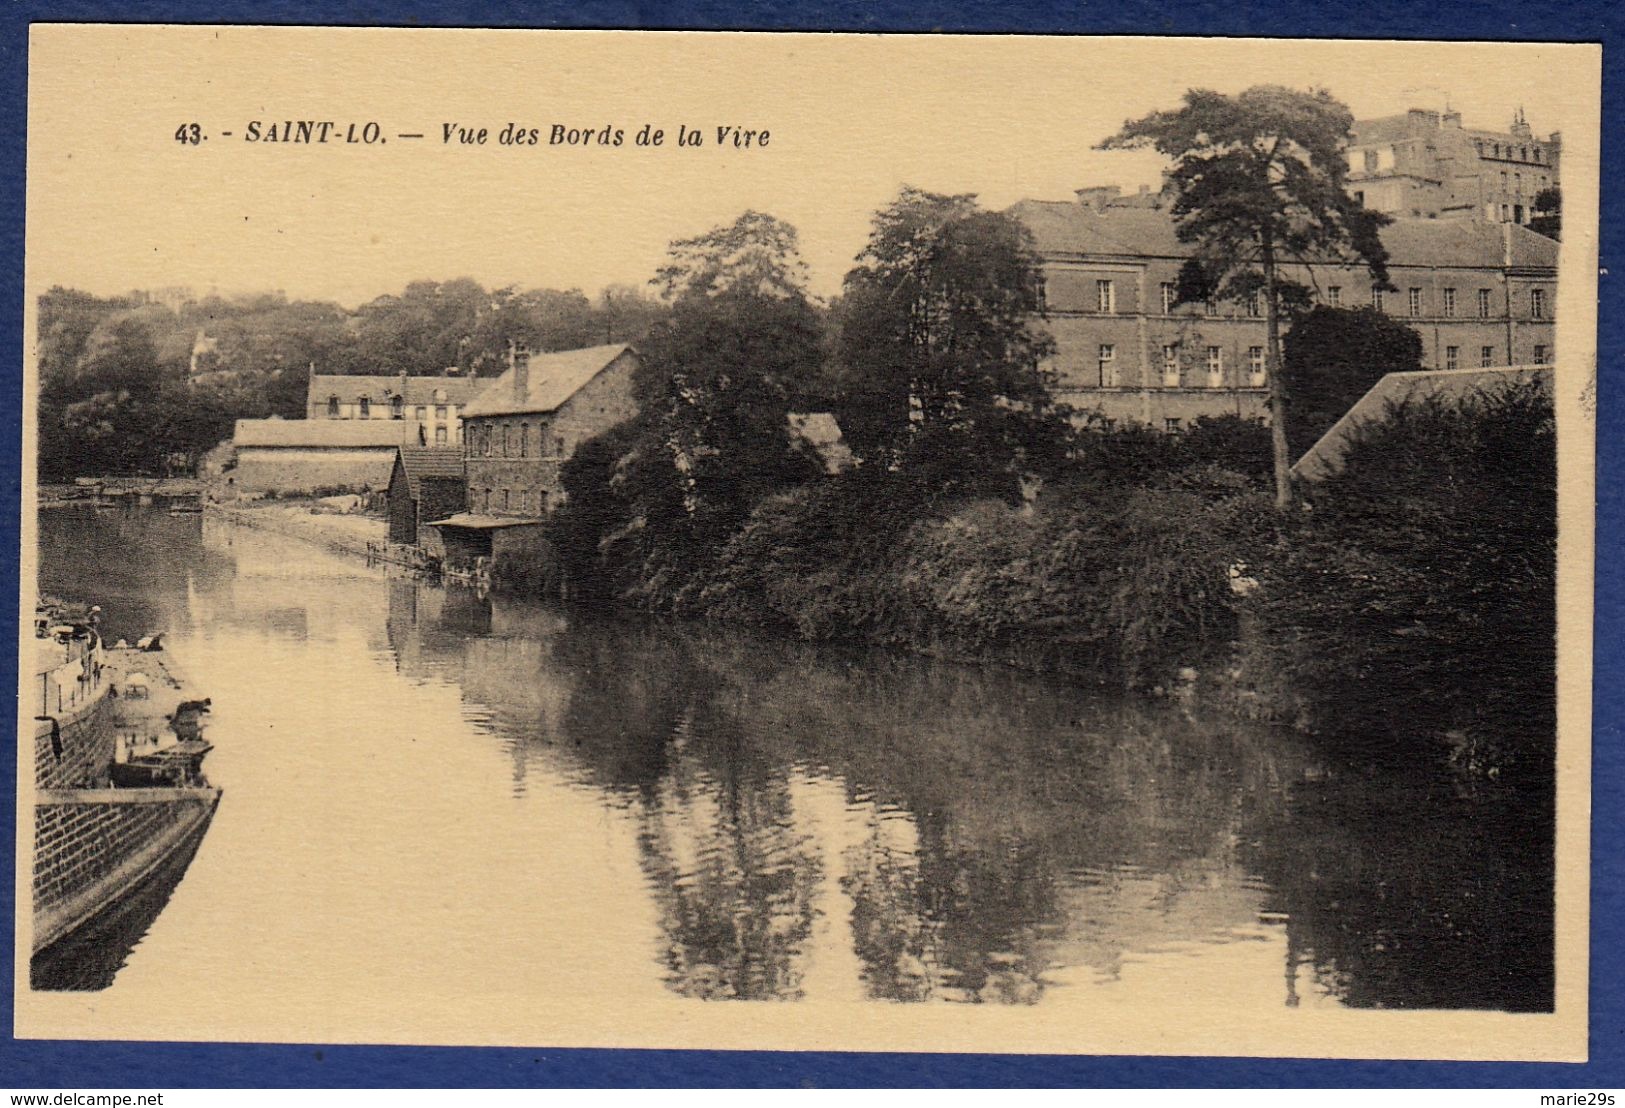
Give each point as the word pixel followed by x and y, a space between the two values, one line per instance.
pixel 116 203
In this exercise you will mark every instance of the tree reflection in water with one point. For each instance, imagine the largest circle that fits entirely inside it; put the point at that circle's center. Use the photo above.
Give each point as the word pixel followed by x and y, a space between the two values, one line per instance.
pixel 997 833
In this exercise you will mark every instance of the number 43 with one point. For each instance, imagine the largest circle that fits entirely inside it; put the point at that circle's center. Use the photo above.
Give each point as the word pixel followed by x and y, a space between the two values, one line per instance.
pixel 189 134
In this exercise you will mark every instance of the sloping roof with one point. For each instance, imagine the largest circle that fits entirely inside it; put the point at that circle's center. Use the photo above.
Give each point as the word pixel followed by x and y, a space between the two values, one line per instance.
pixel 552 379
pixel 1323 458
pixel 472 522
pixel 1388 128
pixel 1062 227
pixel 1068 227
pixel 1467 242
pixel 325 432
pixel 422 462
pixel 350 387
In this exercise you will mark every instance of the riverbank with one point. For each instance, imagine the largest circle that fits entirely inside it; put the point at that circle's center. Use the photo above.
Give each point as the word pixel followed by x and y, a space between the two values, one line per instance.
pixel 344 533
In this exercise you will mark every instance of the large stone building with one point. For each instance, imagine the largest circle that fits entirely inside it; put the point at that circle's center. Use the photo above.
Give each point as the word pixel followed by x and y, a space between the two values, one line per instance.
pixel 523 426
pixel 1479 294
pixel 436 403
pixel 1425 164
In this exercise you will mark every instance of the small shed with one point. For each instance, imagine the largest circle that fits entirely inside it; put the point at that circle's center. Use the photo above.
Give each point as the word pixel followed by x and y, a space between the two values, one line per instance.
pixel 468 537
pixel 426 483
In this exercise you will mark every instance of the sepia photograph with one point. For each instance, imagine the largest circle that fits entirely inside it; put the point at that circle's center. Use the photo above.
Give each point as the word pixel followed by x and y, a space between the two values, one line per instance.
pixel 771 541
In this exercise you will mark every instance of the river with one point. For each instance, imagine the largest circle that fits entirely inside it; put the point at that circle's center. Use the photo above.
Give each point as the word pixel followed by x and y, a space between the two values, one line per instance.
pixel 467 796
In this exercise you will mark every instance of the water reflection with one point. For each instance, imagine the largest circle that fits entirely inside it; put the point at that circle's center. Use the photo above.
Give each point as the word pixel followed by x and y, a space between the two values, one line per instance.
pixel 797 822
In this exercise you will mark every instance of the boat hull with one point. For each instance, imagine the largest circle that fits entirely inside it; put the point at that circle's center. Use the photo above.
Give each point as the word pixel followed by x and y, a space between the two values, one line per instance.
pixel 94 847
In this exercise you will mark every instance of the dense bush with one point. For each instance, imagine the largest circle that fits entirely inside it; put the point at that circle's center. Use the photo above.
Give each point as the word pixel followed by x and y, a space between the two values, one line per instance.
pixel 1413 602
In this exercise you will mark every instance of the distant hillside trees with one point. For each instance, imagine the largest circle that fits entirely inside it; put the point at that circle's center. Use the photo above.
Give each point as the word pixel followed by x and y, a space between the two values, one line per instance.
pixel 132 386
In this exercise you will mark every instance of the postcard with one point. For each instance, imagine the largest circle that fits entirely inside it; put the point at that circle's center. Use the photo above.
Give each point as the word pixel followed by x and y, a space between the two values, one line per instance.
pixel 808 541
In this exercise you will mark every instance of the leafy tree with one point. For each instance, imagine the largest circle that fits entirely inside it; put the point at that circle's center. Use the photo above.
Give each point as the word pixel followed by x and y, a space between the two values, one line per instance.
pixel 1549 208
pixel 1333 357
pixel 757 255
pixel 541 319
pixel 715 384
pixel 626 313
pixel 1259 182
pixel 938 357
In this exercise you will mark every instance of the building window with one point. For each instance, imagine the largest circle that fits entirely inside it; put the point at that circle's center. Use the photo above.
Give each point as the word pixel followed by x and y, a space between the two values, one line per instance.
pixel 1452 357
pixel 1376 299
pixel 440 436
pixel 558 446
pixel 1041 294
pixel 332 407
pixel 397 407
pixel 505 504
pixel 1255 366
pixel 1483 303
pixel 1251 304
pixel 1537 303
pixel 1414 301
pixel 485 441
pixel 1211 306
pixel 422 414
pixel 1170 365
pixel 440 412
pixel 1171 425
pixel 1486 356
pixel 364 406
pixel 1105 297
pixel 524 440
pixel 1540 354
pixel 1108 366
pixel 1170 297
pixel 1215 367
pixel 1334 296
pixel 1370 161
pixel 1448 307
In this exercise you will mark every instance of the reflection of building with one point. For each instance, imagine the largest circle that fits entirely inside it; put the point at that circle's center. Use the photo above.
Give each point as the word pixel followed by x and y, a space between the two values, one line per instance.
pixel 527 423
pixel 304 456
pixel 436 403
pixel 1479 294
pixel 1426 164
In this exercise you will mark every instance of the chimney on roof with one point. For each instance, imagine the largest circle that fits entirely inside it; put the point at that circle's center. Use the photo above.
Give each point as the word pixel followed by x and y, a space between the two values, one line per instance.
pixel 1452 119
pixel 1098 197
pixel 519 361
pixel 1421 117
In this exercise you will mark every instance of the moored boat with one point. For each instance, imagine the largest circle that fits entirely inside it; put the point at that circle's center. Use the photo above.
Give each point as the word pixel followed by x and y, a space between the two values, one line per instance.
pixel 120 797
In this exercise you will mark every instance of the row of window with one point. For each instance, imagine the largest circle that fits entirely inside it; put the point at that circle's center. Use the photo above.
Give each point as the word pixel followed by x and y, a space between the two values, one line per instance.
pixel 397 409
pixel 1110 378
pixel 486 441
pixel 1487 358
pixel 1214 361
pixel 1106 301
pixel 507 500
pixel 1508 151
pixel 1517 182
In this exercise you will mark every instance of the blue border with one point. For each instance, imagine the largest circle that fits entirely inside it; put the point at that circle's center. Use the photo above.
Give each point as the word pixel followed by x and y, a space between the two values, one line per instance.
pixel 82 1065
